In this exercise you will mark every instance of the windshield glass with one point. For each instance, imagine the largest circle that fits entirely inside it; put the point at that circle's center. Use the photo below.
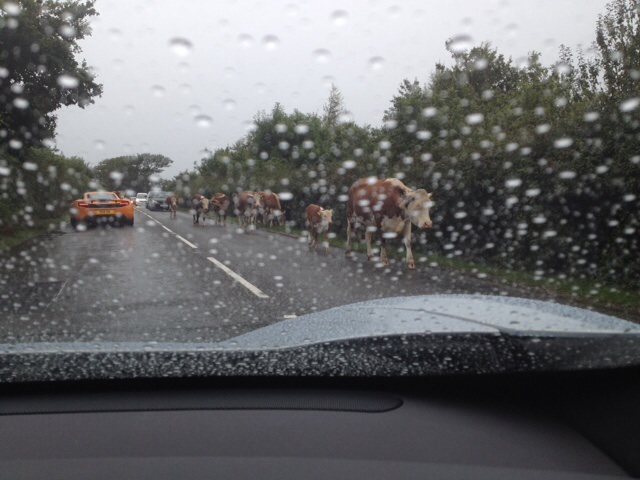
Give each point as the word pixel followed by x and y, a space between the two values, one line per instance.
pixel 320 154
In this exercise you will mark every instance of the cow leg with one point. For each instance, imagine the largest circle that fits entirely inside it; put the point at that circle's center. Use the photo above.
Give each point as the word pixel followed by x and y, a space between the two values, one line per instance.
pixel 407 245
pixel 383 252
pixel 368 236
pixel 326 240
pixel 347 252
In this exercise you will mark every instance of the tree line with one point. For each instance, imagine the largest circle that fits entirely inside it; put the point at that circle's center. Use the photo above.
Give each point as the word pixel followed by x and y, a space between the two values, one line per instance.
pixel 532 167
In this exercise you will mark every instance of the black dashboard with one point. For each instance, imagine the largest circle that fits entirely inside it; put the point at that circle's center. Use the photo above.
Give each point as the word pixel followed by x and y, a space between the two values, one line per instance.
pixel 569 425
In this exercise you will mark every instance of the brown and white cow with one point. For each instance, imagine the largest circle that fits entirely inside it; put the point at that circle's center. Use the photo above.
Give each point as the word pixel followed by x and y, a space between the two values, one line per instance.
pixel 172 201
pixel 271 209
pixel 246 205
pixel 318 222
pixel 199 206
pixel 387 207
pixel 220 204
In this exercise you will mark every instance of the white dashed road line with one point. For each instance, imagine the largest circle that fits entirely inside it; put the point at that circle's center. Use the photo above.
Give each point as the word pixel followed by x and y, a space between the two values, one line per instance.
pixel 252 288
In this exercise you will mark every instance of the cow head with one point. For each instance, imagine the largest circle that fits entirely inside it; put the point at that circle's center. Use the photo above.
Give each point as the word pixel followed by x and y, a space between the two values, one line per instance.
pixel 326 216
pixel 418 204
pixel 205 204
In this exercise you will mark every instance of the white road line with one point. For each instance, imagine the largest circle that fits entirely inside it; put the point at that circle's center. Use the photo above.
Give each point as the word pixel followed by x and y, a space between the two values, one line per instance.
pixel 185 241
pixel 253 289
pixel 290 316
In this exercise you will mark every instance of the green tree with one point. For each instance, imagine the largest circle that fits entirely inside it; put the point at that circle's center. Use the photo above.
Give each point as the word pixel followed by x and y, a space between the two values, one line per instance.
pixel 132 172
pixel 40 72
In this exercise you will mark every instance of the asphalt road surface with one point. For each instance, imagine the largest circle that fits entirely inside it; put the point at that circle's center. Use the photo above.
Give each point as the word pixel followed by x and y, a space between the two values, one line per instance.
pixel 170 280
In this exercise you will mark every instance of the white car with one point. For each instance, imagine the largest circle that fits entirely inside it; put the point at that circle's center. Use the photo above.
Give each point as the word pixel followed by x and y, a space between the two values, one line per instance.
pixel 141 199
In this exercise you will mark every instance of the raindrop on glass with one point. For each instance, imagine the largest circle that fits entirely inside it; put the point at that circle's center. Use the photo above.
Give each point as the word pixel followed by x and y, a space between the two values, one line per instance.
pixel 630 104
pixel 460 43
pixel 321 55
pixel 180 46
pixel 158 91
pixel 203 121
pixel 339 18
pixel 270 42
pixel 376 63
pixel 68 81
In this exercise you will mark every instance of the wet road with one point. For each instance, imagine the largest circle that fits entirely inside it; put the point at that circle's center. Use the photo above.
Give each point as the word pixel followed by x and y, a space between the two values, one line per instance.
pixel 169 280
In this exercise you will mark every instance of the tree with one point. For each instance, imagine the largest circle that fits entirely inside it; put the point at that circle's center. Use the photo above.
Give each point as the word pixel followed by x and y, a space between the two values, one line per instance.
pixel 333 107
pixel 40 74
pixel 130 172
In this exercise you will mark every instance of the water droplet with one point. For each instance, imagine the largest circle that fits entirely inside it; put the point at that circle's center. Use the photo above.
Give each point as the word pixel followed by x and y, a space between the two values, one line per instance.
pixel 20 103
pixel 270 42
pixel 513 183
pixel 67 31
pixel 481 64
pixel 429 112
pixel 322 55
pixel 114 34
pixel 345 117
pixel 203 121
pixel 327 80
pixel 180 46
pixel 15 144
pixel 339 18
pixel 229 104
pixel 245 40
pixel 285 196
pixel 301 129
pixel 591 116
pixel 158 91
pixel 474 118
pixel 460 43
pixel 532 192
pixel 423 135
pixel 116 176
pixel 563 142
pixel 385 145
pixel 30 166
pixel 99 144
pixel 129 110
pixel 68 81
pixel 567 175
pixel 12 8
pixel 349 164
pixel 281 128
pixel 376 63
pixel 184 88
pixel 630 104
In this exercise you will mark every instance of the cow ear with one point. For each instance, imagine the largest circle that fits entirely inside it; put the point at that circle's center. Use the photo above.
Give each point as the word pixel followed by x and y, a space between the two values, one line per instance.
pixel 407 200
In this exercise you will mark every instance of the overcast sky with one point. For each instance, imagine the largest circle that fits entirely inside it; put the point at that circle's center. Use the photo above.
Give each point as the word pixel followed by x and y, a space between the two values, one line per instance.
pixel 180 76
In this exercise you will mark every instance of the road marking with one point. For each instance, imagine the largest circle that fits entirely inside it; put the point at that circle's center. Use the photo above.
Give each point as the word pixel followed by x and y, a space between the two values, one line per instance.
pixel 253 289
pixel 185 241
pixel 290 316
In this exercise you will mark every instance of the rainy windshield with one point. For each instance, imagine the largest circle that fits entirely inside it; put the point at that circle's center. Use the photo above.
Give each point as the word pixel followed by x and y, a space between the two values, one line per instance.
pixel 318 154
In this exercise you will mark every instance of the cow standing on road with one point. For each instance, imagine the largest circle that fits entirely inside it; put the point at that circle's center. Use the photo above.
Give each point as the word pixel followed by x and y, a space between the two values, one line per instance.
pixel 389 208
pixel 318 222
pixel 220 204
pixel 199 206
pixel 271 208
pixel 246 205
pixel 172 201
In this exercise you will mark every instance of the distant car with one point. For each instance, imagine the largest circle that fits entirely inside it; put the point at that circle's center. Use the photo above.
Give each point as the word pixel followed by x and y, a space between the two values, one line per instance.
pixel 101 207
pixel 158 201
pixel 141 199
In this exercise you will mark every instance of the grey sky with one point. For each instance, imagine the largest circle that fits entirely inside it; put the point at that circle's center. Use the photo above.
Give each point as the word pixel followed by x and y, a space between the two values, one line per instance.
pixel 245 56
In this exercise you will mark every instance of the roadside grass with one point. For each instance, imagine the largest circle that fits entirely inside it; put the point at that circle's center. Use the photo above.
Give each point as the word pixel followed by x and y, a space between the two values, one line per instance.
pixel 14 236
pixel 587 291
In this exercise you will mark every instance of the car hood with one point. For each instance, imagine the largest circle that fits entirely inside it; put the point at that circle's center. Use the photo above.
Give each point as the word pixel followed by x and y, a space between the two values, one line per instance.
pixel 422 335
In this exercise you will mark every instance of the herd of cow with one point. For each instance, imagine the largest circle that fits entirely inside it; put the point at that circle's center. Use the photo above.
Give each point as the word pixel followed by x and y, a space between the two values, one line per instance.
pixel 384 206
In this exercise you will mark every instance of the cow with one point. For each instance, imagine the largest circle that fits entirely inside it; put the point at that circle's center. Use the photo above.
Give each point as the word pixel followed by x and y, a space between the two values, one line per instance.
pixel 271 208
pixel 247 205
pixel 199 206
pixel 220 204
pixel 388 207
pixel 172 201
pixel 318 222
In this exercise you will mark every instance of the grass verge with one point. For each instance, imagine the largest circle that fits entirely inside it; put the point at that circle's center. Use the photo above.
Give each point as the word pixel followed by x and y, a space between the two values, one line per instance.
pixel 16 235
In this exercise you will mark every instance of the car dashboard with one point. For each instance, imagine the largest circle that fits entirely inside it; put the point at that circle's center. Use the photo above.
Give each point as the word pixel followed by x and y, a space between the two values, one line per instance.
pixel 568 425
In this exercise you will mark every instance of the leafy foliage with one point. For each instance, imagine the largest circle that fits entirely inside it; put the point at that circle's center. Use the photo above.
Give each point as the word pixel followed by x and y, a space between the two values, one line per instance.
pixel 39 71
pixel 134 172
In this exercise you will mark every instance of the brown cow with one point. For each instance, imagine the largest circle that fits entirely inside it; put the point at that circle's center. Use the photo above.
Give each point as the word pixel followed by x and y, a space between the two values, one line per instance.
pixel 271 209
pixel 220 204
pixel 246 205
pixel 199 206
pixel 172 201
pixel 388 207
pixel 318 222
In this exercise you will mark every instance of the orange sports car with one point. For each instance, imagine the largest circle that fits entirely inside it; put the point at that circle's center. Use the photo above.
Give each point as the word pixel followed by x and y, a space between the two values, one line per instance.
pixel 101 207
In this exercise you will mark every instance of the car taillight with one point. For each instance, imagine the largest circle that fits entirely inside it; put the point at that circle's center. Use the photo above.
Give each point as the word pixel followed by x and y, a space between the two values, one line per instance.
pixel 124 203
pixel 83 204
